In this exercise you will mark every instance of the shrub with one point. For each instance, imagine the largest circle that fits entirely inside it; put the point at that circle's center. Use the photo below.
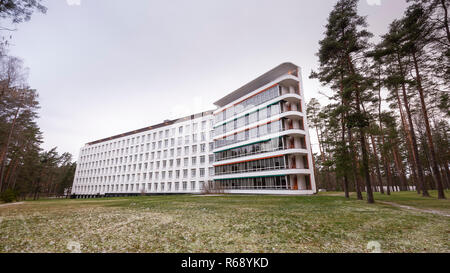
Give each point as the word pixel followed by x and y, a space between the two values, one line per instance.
pixel 213 188
pixel 8 196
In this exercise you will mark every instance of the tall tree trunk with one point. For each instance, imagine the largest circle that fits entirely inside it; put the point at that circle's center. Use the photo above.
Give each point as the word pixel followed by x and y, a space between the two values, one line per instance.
pixel 362 140
pixel 400 168
pixel 407 132
pixel 11 172
pixel 383 154
pixel 4 151
pixel 322 154
pixel 377 164
pixel 347 195
pixel 412 135
pixel 393 185
pixel 365 161
pixel 447 171
pixel 447 29
pixel 437 174
pixel 355 167
pixel 344 144
pixel 387 169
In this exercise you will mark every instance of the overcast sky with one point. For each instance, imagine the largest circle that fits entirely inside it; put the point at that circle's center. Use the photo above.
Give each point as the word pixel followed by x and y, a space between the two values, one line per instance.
pixel 104 67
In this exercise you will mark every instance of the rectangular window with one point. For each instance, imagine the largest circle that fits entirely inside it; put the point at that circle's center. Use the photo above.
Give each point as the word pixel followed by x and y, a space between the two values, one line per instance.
pixel 253 133
pixel 253 117
pixel 240 122
pixel 263 114
pixel 230 126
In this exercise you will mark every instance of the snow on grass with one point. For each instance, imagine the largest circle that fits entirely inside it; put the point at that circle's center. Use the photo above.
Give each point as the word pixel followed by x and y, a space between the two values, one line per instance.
pixel 218 224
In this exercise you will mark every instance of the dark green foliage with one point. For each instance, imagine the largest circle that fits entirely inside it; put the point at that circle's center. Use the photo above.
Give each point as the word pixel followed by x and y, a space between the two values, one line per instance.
pixel 8 196
pixel 20 10
pixel 24 168
pixel 343 69
pixel 444 103
pixel 411 65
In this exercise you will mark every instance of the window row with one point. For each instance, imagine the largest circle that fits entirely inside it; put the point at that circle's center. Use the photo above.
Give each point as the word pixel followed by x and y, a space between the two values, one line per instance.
pixel 249 103
pixel 146 176
pixel 148 147
pixel 150 165
pixel 145 187
pixel 257 183
pixel 186 150
pixel 250 118
pixel 146 138
pixel 271 145
pixel 274 163
pixel 262 130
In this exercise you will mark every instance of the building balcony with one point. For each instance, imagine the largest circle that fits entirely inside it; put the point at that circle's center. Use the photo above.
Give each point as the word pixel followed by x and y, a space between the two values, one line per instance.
pixel 262 154
pixel 262 173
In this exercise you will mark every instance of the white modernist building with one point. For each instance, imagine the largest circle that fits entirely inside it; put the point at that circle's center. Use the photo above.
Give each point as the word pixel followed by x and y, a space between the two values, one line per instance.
pixel 261 137
pixel 256 142
pixel 171 157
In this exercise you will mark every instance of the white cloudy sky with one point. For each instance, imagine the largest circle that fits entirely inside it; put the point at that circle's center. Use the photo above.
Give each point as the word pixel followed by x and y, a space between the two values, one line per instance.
pixel 103 67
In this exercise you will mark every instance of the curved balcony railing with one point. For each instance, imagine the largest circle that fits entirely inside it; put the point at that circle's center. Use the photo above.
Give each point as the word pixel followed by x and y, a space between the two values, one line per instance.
pixel 269 128
pixel 251 170
pixel 253 152
pixel 272 145
pixel 265 95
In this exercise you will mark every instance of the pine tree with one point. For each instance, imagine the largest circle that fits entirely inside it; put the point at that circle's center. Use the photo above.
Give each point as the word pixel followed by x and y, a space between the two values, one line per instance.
pixel 419 33
pixel 345 42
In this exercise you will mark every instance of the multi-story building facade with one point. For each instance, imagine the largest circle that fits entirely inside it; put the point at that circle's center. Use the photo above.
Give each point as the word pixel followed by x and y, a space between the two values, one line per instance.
pixel 261 136
pixel 171 157
pixel 257 141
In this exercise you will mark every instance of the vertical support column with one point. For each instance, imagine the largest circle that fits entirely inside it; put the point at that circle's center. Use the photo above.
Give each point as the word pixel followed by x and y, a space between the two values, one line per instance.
pixel 307 137
pixel 297 143
pixel 291 89
pixel 301 182
pixel 299 162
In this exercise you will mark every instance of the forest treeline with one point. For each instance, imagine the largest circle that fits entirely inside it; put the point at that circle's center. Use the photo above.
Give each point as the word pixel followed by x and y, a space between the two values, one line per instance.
pixel 386 127
pixel 26 170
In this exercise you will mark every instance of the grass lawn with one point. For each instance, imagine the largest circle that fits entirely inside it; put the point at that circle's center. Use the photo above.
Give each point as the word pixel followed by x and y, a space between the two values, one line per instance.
pixel 408 199
pixel 318 223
